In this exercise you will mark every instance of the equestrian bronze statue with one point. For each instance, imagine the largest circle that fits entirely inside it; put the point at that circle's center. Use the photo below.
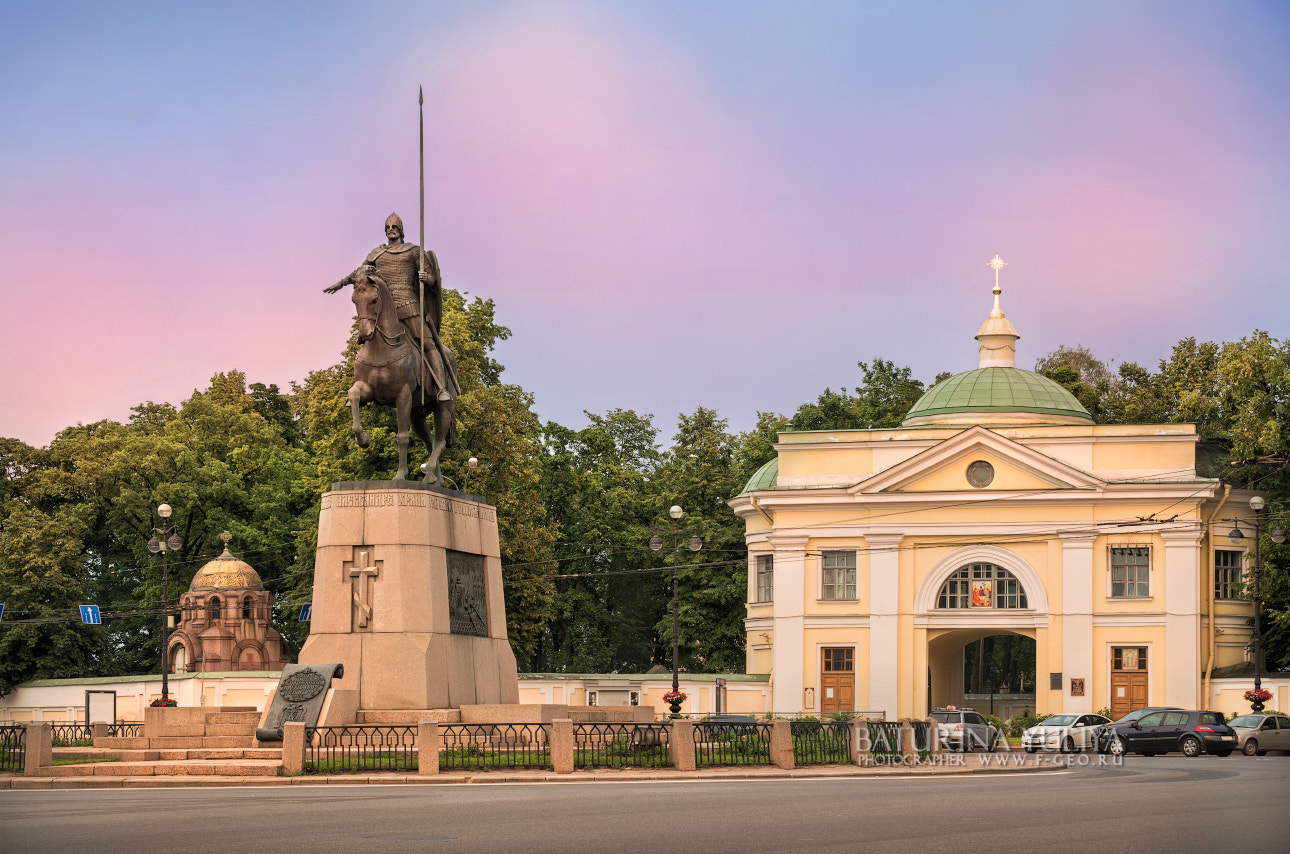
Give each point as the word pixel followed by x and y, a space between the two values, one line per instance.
pixel 398 295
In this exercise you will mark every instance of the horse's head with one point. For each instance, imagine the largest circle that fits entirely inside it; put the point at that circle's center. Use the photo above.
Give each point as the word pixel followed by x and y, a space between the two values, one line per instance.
pixel 367 301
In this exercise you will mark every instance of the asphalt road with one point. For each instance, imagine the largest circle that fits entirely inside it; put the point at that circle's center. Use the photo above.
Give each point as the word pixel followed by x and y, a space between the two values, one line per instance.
pixel 1166 804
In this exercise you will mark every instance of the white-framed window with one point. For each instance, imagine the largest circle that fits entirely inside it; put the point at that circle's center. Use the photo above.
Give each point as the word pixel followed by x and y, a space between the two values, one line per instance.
pixel 765 578
pixel 1228 583
pixel 591 698
pixel 1130 572
pixel 635 698
pixel 838 571
pixel 982 585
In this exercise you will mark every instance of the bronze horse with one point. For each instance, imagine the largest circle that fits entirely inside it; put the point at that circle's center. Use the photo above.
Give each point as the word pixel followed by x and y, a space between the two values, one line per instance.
pixel 386 370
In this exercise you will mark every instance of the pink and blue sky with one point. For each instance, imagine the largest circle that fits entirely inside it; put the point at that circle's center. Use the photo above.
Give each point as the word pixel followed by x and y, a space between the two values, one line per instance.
pixel 673 204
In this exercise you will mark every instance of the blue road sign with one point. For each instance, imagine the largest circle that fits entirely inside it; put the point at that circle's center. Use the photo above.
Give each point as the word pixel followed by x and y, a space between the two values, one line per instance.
pixel 90 615
pixel 1 610
pixel 306 612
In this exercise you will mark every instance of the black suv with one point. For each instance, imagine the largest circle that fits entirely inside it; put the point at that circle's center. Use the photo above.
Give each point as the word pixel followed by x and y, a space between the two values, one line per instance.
pixel 1192 732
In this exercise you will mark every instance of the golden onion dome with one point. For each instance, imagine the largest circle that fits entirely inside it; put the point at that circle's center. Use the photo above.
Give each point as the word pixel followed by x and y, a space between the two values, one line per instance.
pixel 226 572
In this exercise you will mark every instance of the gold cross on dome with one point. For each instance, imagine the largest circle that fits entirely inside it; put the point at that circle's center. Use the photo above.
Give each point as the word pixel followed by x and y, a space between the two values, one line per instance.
pixel 998 264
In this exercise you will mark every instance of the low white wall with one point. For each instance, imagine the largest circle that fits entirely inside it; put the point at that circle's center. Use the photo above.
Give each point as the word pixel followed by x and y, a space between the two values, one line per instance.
pixel 64 699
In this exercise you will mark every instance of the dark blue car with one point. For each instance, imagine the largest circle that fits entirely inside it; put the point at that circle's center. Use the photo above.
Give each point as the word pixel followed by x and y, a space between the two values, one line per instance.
pixel 1190 732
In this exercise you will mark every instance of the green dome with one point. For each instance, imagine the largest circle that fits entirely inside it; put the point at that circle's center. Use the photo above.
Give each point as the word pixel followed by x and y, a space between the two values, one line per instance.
pixel 764 478
pixel 978 393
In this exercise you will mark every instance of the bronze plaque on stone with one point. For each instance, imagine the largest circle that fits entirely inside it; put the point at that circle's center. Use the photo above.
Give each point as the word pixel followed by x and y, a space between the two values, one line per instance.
pixel 467 596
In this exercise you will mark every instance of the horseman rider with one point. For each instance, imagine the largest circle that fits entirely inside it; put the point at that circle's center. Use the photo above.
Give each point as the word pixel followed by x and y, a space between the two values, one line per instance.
pixel 403 266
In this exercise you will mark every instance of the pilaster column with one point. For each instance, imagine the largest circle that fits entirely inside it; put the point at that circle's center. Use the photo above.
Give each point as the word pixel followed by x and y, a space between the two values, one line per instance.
pixel 789 609
pixel 1077 624
pixel 1181 577
pixel 884 622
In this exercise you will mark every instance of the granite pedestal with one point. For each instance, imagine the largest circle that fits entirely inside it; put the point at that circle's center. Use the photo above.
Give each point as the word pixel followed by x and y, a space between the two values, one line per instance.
pixel 408 597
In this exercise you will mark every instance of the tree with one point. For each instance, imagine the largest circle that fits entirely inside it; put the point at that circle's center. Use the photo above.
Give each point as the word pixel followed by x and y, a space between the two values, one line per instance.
pixel 883 400
pixel 597 486
pixel 699 474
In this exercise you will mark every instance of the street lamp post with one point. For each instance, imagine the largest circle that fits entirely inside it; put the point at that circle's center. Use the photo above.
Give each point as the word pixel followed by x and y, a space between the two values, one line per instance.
pixel 165 540
pixel 693 544
pixel 1259 506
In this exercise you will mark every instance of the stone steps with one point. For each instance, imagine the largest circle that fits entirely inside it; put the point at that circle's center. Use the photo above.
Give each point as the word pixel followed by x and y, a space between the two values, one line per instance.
pixel 408 716
pixel 208 768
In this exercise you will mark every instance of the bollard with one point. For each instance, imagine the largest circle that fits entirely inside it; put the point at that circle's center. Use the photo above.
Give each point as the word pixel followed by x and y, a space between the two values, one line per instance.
pixel 98 730
pixel 681 744
pixel 293 747
pixel 562 746
pixel 781 745
pixel 861 747
pixel 40 748
pixel 934 737
pixel 908 750
pixel 429 744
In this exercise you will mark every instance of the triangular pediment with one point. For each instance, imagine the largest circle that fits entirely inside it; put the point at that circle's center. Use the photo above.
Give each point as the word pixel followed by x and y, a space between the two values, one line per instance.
pixel 1012 467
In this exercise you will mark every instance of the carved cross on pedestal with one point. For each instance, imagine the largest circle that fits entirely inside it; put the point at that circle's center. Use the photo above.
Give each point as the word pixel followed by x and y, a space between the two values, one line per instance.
pixel 360 569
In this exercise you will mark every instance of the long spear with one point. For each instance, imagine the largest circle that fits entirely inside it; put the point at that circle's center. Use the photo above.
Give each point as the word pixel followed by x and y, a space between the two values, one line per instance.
pixel 421 246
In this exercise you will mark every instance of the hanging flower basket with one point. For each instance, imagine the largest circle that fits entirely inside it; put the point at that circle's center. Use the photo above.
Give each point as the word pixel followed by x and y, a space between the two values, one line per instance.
pixel 675 697
pixel 167 703
pixel 1258 695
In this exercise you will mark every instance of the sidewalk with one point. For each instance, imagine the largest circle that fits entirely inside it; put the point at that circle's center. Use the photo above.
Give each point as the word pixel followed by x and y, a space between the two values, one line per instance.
pixel 117 775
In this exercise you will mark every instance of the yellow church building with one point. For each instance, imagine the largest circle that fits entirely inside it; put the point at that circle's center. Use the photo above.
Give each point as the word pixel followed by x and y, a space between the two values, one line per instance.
pixel 997 508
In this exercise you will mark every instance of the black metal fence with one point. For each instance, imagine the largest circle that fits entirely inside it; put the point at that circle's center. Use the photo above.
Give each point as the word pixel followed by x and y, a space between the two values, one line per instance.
pixel 821 742
pixel 884 740
pixel 126 729
pixel 363 747
pixel 621 745
pixel 481 747
pixel 731 743
pixel 73 735
pixel 13 748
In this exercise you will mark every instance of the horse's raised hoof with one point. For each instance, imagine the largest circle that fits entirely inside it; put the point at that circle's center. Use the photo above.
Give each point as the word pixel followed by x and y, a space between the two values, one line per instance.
pixel 362 439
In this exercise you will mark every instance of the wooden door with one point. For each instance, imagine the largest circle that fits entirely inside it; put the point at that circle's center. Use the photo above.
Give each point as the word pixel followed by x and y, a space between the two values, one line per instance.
pixel 837 680
pixel 1128 680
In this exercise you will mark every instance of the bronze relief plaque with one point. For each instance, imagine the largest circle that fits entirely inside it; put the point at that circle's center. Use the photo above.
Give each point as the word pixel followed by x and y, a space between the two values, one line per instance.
pixel 467 594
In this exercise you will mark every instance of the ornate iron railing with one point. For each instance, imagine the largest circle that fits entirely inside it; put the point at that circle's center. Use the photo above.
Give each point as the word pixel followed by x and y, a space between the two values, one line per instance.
pixel 73 735
pixel 621 745
pixel 13 748
pixel 126 729
pixel 884 740
pixel 362 747
pixel 481 747
pixel 731 743
pixel 821 742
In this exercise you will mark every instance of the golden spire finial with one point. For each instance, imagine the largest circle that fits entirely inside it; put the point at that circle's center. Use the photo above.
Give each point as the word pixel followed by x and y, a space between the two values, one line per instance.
pixel 998 264
pixel 997 337
pixel 226 536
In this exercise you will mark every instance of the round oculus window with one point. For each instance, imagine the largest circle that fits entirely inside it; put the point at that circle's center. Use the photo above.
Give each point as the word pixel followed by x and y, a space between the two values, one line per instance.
pixel 980 474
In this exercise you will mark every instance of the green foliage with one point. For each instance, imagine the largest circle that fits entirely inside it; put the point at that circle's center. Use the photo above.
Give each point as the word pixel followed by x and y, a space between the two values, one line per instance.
pixel 885 397
pixel 700 474
pixel 1014 726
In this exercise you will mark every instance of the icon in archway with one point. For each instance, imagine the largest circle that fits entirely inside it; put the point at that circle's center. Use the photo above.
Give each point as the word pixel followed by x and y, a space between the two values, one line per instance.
pixel 982 594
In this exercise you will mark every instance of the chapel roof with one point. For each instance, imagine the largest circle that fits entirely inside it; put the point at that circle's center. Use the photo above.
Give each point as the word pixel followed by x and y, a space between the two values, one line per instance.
pixel 226 572
pixel 765 477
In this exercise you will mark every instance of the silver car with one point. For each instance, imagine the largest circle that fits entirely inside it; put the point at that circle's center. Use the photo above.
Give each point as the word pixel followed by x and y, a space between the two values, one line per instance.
pixel 965 730
pixel 1067 733
pixel 1258 734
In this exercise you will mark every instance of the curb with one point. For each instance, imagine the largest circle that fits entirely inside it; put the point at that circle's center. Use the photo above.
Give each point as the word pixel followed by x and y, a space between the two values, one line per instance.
pixel 18 783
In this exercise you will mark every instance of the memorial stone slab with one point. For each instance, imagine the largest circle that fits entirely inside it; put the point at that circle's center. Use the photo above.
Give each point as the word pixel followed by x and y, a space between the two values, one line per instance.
pixel 299 698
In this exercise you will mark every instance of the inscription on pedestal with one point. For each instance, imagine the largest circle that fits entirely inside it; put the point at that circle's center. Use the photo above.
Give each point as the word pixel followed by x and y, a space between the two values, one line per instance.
pixel 467 594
